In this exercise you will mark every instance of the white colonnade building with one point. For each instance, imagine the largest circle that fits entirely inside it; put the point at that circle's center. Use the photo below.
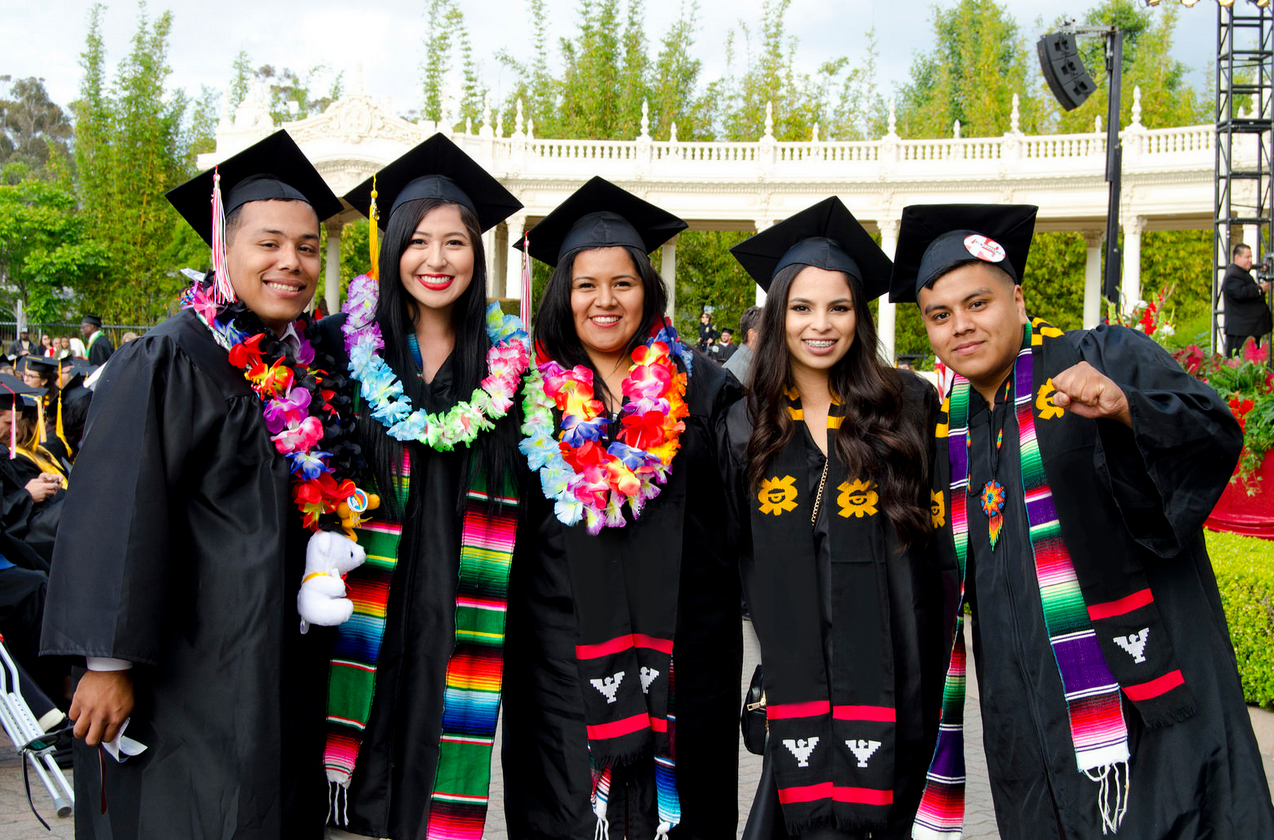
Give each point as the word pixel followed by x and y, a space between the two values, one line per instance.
pixel 1168 179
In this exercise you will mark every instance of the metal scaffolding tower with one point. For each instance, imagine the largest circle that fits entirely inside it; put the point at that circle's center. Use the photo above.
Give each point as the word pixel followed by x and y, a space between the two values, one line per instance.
pixel 1244 139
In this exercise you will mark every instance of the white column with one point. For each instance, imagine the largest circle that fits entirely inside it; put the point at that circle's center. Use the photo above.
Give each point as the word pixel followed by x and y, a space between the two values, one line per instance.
pixel 513 270
pixel 886 317
pixel 1132 262
pixel 1092 278
pixel 1251 236
pixel 332 271
pixel 668 271
pixel 488 245
pixel 762 224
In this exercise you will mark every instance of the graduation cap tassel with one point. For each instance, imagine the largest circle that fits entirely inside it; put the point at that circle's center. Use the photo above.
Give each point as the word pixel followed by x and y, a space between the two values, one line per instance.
pixel 373 235
pixel 13 429
pixel 524 305
pixel 222 290
pixel 61 432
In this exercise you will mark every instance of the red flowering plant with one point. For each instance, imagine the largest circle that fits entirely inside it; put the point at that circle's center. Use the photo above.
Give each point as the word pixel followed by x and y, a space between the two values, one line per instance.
pixel 1247 386
pixel 1154 318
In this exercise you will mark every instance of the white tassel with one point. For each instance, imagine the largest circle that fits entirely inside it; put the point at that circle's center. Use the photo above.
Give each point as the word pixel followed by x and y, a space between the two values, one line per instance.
pixel 1112 812
pixel 662 831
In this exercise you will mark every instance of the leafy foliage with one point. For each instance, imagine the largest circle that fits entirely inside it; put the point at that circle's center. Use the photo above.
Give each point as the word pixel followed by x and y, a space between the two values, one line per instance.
pixel 129 151
pixel 32 127
pixel 43 248
pixel 1246 581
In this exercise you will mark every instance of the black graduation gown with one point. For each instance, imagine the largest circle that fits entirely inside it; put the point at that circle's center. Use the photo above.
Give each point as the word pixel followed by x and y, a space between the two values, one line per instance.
pixel 75 402
pixel 545 754
pixel 33 523
pixel 394 774
pixel 182 553
pixel 1199 778
pixel 101 350
pixel 916 620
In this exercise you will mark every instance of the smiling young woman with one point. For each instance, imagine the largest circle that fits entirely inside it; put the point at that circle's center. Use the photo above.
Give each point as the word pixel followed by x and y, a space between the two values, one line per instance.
pixel 826 471
pixel 622 572
pixel 434 368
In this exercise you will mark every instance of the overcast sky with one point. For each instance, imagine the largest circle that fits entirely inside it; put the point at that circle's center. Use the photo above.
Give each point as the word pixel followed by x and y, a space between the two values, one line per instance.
pixel 388 39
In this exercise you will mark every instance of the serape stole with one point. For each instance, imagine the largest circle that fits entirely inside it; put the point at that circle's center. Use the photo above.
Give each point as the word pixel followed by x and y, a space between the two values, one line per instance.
pixel 475 669
pixel 1098 730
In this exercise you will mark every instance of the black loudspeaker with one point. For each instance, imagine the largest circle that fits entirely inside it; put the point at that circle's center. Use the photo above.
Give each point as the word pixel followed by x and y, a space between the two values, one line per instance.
pixel 1063 69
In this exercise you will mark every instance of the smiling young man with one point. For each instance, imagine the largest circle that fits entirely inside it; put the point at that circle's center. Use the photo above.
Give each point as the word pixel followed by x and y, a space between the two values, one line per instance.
pixel 1074 471
pixel 180 547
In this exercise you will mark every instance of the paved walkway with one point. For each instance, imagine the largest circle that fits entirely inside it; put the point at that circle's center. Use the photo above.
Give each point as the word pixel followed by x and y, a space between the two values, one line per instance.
pixel 17 823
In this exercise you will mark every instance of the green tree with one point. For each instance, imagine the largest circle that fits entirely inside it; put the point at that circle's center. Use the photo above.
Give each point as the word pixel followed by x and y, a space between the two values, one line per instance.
pixel 1167 98
pixel 593 80
pixel 242 81
pixel 536 87
pixel 978 63
pixel 44 249
pixel 437 57
pixel 674 83
pixel 129 151
pixel 202 137
pixel 32 127
pixel 292 96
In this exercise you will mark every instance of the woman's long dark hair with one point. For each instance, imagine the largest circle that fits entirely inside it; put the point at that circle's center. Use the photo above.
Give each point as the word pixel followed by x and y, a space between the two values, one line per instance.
pixel 555 323
pixel 396 314
pixel 871 441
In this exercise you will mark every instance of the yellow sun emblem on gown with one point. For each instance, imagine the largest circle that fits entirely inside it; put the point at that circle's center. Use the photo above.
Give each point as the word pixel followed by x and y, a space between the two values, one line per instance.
pixel 777 495
pixel 937 508
pixel 1044 402
pixel 857 498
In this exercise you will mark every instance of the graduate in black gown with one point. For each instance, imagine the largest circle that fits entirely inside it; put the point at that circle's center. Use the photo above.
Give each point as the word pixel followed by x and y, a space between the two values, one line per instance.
pixel 96 343
pixel 610 597
pixel 828 478
pixel 43 372
pixel 1077 469
pixel 421 765
pixel 181 547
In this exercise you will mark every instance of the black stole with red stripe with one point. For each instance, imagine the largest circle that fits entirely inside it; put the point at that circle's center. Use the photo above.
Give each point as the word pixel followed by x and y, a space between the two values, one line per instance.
pixel 1109 562
pixel 831 725
pixel 625 583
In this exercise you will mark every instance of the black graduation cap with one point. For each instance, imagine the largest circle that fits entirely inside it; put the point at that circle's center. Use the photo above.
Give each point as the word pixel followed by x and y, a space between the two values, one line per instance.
pixel 935 238
pixel 826 236
pixel 12 386
pixel 272 169
pixel 600 215
pixel 46 364
pixel 91 319
pixel 437 168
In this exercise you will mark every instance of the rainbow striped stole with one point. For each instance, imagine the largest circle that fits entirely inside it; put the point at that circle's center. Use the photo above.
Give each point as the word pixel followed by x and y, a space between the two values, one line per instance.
pixel 1099 732
pixel 475 669
pixel 352 676
pixel 475 672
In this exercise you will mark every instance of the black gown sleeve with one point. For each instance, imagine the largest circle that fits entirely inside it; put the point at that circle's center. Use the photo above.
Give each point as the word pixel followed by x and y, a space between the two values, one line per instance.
pixel 116 551
pixel 1166 472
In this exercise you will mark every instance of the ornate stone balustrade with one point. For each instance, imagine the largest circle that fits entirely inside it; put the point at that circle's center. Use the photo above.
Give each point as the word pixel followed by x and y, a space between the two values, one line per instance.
pixel 1167 176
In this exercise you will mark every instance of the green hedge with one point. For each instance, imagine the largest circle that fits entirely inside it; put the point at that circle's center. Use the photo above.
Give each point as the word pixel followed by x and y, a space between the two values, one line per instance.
pixel 1245 575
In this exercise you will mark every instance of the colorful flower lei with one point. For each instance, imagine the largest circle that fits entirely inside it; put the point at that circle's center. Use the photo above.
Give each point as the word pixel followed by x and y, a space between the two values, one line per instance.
pixel 507 360
pixel 584 480
pixel 296 406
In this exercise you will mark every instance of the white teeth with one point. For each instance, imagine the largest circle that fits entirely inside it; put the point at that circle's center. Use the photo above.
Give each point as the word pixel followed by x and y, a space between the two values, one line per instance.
pixel 281 287
pixel 819 344
pixel 605 319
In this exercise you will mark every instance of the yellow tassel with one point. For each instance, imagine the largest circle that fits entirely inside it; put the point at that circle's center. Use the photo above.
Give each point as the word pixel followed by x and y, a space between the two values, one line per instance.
pixel 61 433
pixel 373 235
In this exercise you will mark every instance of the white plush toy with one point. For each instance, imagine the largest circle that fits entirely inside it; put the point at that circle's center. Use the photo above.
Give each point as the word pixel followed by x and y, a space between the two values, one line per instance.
pixel 321 600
